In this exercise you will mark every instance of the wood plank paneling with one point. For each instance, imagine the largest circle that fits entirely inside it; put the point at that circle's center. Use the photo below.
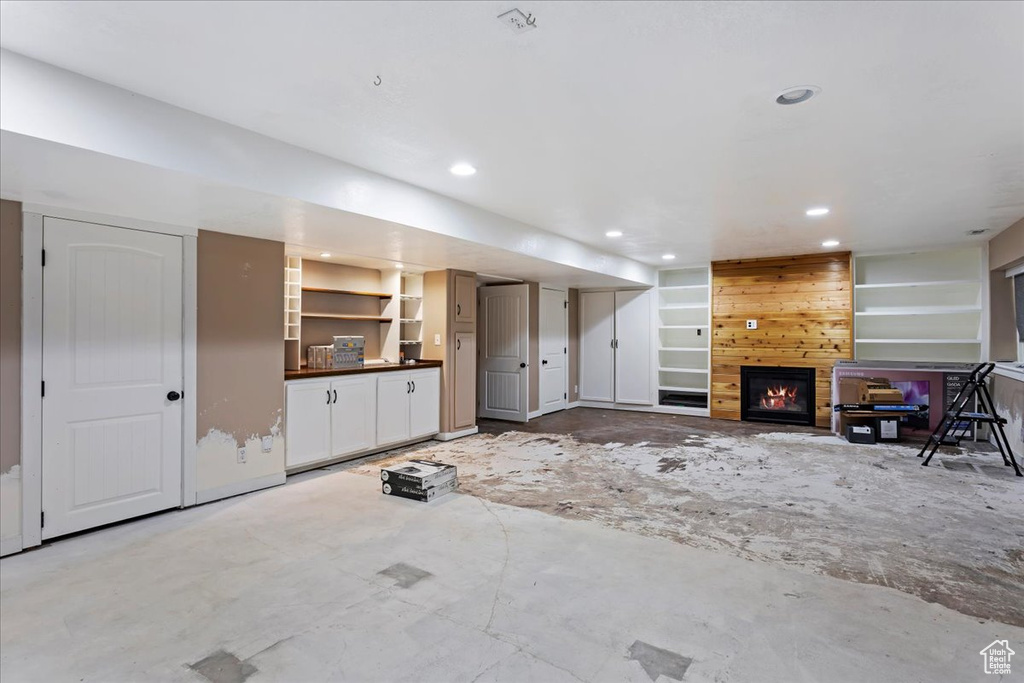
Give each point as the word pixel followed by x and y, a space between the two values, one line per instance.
pixel 804 311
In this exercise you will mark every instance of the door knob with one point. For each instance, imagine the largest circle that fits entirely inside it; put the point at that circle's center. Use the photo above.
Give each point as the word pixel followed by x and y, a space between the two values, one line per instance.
pixel 522 365
pixel 543 362
pixel 173 395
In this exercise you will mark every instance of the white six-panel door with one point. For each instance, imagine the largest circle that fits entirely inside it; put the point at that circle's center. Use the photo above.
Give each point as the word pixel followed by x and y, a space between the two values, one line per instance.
pixel 504 351
pixel 553 341
pixel 112 353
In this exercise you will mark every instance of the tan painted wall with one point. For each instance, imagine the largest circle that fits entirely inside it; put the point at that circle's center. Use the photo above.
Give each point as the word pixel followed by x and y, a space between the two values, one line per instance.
pixel 317 331
pixel 574 345
pixel 1007 248
pixel 435 322
pixel 10 371
pixel 240 358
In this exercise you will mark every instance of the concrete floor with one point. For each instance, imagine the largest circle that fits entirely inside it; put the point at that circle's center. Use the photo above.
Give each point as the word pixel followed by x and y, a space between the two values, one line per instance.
pixel 326 579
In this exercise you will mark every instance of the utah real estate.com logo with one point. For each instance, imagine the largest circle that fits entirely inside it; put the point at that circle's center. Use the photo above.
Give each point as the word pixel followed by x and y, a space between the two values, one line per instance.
pixel 997 657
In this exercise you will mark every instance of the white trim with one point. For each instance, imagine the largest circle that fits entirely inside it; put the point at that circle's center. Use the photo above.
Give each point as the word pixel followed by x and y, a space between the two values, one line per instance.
pixel 189 303
pixel 533 414
pixel 239 487
pixel 31 380
pixel 666 410
pixel 572 404
pixel 375 450
pixel 1015 271
pixel 10 545
pixel 112 221
pixel 449 436
pixel 1010 371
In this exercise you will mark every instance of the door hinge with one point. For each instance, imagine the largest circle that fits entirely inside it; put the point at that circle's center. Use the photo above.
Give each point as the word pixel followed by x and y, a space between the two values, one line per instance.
pixel 43 388
pixel 44 257
pixel 42 519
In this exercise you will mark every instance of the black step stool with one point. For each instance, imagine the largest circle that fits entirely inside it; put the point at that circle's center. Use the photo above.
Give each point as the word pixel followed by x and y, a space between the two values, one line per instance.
pixel 957 413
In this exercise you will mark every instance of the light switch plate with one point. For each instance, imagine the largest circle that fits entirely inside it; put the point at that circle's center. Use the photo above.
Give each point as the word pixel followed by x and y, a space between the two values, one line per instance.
pixel 437 340
pixel 751 324
pixel 268 444
pixel 241 455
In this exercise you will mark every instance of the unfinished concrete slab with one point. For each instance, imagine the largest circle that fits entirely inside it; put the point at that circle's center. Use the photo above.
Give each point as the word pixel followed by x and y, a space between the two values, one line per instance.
pixel 288 581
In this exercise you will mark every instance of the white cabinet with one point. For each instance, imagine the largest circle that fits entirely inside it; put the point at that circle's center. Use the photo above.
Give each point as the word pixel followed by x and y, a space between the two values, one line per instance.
pixel 353 414
pixel 615 348
pixel 308 428
pixel 408 405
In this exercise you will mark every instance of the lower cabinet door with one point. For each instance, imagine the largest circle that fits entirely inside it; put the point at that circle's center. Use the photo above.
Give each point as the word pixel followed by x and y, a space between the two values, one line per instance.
pixel 307 430
pixel 425 403
pixel 393 392
pixel 353 414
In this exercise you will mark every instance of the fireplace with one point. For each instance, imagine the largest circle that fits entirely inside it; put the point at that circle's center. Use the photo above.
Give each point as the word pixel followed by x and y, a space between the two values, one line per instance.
pixel 783 395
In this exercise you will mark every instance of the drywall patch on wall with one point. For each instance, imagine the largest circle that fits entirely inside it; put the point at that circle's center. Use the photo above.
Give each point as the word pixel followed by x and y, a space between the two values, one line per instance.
pixel 240 358
pixel 1008 395
pixel 10 504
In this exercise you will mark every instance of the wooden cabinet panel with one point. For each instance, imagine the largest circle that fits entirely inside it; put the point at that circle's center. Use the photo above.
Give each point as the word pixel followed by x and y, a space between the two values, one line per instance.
pixel 597 357
pixel 353 414
pixel 424 403
pixel 465 299
pixel 393 391
pixel 633 347
pixel 464 384
pixel 307 422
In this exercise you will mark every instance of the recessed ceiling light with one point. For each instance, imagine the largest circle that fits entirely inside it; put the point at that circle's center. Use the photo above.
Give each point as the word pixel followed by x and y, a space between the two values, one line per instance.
pixel 668 257
pixel 817 211
pixel 398 265
pixel 797 94
pixel 463 169
pixel 613 233
pixel 325 254
pixel 830 243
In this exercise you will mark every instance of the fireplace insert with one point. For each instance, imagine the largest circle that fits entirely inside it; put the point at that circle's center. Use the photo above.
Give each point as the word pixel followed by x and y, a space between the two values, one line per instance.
pixel 772 394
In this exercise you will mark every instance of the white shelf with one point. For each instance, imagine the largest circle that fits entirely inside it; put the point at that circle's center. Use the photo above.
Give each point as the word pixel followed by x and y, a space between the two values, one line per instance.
pixel 679 307
pixel 683 327
pixel 409 297
pixel 410 341
pixel 694 371
pixel 684 348
pixel 918 341
pixel 682 287
pixel 685 390
pixel 924 283
pixel 411 320
pixel 929 310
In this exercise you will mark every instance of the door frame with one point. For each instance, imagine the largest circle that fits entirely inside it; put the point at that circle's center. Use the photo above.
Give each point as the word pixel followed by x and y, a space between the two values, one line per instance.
pixel 32 355
pixel 565 335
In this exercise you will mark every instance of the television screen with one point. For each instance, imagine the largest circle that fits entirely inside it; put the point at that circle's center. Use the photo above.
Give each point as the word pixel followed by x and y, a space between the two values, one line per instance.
pixel 915 391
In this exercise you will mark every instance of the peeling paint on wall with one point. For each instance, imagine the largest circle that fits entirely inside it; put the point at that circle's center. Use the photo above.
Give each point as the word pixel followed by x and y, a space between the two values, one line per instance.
pixel 1008 395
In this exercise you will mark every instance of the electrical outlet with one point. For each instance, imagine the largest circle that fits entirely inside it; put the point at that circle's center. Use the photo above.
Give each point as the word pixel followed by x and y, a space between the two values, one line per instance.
pixel 751 324
pixel 241 455
pixel 575 388
pixel 268 444
pixel 437 340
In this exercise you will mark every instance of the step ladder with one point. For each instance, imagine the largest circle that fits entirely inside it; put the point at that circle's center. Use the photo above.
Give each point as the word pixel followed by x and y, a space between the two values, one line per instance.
pixel 957 414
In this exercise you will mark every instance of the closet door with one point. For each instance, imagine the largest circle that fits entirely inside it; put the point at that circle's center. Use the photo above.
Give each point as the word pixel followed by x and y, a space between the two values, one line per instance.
pixel 597 357
pixel 633 347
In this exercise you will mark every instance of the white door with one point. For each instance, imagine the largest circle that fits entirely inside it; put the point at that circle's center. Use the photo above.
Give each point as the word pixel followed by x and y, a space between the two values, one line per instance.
pixel 308 422
pixel 112 355
pixel 393 396
pixel 554 343
pixel 633 347
pixel 424 403
pixel 353 414
pixel 504 351
pixel 597 356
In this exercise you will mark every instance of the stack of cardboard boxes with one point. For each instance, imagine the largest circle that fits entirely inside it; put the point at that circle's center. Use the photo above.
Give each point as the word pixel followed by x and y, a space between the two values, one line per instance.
pixel 419 479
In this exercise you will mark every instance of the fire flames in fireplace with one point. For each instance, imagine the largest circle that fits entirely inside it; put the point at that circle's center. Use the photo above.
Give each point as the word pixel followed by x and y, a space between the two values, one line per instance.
pixel 780 397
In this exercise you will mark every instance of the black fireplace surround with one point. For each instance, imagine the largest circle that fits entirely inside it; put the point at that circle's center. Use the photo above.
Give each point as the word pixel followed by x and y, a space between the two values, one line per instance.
pixel 772 394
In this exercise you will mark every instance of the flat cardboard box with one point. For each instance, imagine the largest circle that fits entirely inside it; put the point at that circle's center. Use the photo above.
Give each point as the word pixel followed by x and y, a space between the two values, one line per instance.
pixel 416 493
pixel 418 473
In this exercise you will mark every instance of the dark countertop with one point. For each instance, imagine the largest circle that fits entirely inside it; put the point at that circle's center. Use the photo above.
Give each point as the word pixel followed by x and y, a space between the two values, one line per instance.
pixel 376 367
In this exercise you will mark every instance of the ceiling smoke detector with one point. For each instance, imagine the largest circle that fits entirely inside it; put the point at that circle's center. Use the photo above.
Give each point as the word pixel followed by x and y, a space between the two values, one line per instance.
pixel 798 94
pixel 517 21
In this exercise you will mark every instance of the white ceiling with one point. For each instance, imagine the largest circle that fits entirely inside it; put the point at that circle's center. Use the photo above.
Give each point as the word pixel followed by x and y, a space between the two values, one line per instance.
pixel 654 118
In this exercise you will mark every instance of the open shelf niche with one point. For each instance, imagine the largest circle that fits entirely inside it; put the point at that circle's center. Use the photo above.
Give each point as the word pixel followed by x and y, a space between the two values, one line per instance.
pixel 923 306
pixel 324 300
pixel 684 331
pixel 411 311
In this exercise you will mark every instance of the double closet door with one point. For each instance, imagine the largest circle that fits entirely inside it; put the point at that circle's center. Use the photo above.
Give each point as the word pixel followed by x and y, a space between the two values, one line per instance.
pixel 615 347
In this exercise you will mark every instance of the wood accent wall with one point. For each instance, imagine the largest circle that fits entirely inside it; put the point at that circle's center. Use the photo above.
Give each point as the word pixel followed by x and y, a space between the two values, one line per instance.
pixel 804 311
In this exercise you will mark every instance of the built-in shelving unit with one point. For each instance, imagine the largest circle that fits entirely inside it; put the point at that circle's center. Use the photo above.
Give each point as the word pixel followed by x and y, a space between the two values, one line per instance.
pixel 347 316
pixel 923 306
pixel 350 292
pixel 411 322
pixel 684 327
pixel 292 311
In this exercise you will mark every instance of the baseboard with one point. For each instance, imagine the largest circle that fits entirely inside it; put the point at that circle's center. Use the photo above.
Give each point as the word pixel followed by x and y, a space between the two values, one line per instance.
pixel 637 408
pixel 10 545
pixel 449 436
pixel 536 413
pixel 574 404
pixel 240 487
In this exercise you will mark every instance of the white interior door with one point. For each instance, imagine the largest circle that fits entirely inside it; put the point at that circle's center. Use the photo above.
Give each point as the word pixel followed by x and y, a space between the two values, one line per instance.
pixel 597 357
pixel 633 347
pixel 554 343
pixel 504 351
pixel 112 355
